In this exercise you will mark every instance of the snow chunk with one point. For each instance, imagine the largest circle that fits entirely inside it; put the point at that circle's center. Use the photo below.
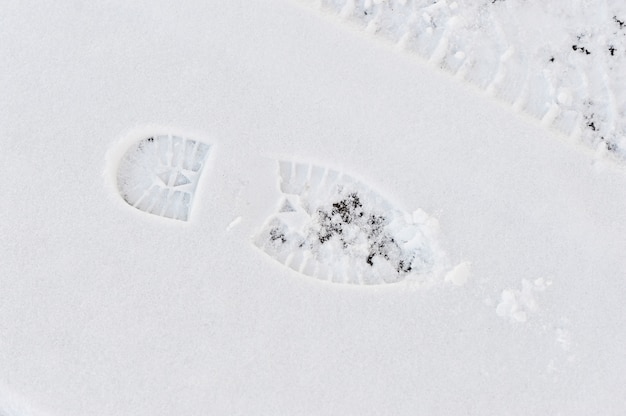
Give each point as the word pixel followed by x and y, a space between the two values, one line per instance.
pixel 518 304
pixel 460 274
pixel 339 229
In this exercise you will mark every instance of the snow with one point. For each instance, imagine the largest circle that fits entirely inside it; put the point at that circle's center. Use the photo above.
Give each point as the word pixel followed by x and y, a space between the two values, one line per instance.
pixel 109 310
pixel 159 173
pixel 460 274
pixel 332 227
pixel 560 62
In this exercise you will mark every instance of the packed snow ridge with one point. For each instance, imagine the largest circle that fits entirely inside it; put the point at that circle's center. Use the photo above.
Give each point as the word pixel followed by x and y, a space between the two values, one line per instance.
pixel 572 80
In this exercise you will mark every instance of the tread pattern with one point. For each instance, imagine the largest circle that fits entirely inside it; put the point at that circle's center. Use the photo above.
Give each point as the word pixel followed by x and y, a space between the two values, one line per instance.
pixel 332 227
pixel 159 175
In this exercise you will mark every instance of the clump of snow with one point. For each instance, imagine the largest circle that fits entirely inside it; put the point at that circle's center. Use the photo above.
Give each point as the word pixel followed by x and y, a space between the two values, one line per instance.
pixel 518 304
pixel 460 274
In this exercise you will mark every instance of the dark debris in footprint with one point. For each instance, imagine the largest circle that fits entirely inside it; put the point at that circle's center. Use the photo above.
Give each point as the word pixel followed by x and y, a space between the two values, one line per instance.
pixel 342 213
pixel 277 234
pixel 577 47
pixel 581 49
pixel 593 124
pixel 610 145
pixel 349 211
pixel 590 116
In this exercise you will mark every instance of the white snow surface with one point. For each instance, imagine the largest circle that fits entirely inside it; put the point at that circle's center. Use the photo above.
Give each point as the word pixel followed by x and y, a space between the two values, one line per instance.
pixel 561 62
pixel 109 310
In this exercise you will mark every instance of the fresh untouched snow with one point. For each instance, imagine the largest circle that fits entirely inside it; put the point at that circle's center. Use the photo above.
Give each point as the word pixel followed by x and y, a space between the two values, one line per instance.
pixel 362 233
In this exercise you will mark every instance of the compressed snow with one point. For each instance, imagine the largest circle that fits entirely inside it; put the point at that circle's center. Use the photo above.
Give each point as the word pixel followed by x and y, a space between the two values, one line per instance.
pixel 158 173
pixel 334 228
